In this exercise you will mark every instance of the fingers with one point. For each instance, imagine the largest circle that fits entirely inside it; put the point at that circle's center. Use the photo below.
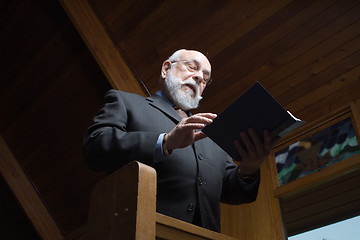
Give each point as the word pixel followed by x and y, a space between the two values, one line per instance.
pixel 250 147
pixel 267 141
pixel 184 132
pixel 197 121
pixel 256 148
pixel 205 118
pixel 199 136
pixel 243 153
pixel 187 126
pixel 207 115
pixel 254 145
pixel 258 144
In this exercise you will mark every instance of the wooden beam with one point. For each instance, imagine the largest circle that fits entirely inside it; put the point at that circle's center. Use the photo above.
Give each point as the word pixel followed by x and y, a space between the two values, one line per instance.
pixel 27 195
pixel 101 46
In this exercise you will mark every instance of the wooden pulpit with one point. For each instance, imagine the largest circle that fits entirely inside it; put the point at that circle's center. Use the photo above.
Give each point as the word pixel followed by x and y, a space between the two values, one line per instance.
pixel 123 206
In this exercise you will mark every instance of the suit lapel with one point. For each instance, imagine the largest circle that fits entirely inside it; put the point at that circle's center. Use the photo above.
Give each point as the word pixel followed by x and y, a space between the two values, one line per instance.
pixel 158 102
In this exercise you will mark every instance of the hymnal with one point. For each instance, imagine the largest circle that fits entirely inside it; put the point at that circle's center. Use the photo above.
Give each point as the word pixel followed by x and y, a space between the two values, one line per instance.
pixel 256 109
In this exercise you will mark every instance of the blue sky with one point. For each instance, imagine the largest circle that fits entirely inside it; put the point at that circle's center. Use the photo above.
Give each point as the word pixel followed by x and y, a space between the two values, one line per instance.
pixel 346 230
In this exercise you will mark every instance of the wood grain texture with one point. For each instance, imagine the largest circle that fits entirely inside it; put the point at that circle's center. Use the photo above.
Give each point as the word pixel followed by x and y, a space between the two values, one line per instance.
pixel 101 46
pixel 258 220
pixel 51 89
pixel 306 53
pixel 123 205
pixel 326 196
pixel 174 229
pixel 322 203
pixel 291 47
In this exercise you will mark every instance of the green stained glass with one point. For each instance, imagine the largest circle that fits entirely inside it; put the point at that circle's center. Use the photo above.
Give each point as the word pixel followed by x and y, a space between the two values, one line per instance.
pixel 317 151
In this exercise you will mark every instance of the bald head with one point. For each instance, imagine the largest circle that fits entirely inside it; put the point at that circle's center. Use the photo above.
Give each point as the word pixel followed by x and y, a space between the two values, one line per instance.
pixel 184 53
pixel 184 76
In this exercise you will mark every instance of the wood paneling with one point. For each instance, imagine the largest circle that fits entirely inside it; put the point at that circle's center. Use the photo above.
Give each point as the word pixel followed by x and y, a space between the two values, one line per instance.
pixel 326 196
pixel 305 52
pixel 294 48
pixel 102 48
pixel 50 90
pixel 323 204
pixel 244 221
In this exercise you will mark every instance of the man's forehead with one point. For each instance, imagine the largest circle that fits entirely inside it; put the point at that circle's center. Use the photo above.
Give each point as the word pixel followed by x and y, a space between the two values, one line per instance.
pixel 192 55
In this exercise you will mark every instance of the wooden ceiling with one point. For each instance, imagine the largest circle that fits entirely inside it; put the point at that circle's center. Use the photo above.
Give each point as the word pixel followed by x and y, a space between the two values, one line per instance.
pixel 305 52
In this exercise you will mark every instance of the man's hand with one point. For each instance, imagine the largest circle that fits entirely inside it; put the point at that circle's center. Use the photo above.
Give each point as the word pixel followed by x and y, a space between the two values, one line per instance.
pixel 184 133
pixel 257 151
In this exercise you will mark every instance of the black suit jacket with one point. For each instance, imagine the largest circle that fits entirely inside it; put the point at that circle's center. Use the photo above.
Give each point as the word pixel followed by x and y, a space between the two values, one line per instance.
pixel 198 176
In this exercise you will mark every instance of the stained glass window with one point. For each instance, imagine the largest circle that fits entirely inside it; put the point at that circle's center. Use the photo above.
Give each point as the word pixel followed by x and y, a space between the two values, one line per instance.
pixel 317 151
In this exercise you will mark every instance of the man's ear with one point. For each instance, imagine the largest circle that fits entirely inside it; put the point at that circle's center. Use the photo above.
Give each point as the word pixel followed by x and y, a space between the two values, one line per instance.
pixel 165 68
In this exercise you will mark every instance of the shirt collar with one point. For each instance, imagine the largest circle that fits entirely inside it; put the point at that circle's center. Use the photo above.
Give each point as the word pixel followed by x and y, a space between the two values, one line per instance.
pixel 161 94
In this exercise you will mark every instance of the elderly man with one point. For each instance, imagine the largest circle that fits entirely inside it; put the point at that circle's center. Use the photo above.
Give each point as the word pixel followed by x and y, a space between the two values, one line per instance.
pixel 194 174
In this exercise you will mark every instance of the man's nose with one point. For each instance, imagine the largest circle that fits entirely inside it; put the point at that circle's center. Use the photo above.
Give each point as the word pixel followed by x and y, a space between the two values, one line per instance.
pixel 198 77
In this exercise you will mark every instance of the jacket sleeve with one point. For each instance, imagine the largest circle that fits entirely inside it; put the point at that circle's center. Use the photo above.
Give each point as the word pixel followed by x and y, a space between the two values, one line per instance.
pixel 108 145
pixel 235 190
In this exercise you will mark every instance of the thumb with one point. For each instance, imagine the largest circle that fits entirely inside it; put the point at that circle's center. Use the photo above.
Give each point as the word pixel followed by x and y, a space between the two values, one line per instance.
pixel 199 135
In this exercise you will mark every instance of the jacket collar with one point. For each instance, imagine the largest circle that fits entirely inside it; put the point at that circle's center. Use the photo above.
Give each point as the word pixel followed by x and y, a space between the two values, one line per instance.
pixel 164 106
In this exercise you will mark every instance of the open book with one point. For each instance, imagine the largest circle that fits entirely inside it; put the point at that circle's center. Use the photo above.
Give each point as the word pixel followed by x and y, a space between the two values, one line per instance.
pixel 256 109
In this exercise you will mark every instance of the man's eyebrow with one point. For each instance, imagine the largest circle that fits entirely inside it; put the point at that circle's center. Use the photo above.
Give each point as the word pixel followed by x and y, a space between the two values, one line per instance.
pixel 199 64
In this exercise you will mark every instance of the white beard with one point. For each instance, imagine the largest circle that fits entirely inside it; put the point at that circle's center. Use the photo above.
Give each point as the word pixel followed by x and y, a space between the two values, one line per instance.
pixel 183 99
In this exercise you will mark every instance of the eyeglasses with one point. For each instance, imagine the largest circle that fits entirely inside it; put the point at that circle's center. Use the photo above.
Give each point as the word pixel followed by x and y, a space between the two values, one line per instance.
pixel 194 66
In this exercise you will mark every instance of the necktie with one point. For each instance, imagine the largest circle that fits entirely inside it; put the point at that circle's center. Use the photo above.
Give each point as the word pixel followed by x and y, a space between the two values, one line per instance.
pixel 181 113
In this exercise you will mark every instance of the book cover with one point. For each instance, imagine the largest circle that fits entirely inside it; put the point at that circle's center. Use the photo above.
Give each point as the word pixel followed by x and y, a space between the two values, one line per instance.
pixel 256 109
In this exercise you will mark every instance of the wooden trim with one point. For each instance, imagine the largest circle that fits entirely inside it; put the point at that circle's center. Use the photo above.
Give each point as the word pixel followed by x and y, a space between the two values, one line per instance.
pixel 317 180
pixel 355 108
pixel 279 230
pixel 310 128
pixel 330 172
pixel 101 46
pixel 322 203
pixel 174 229
pixel 273 171
pixel 27 195
pixel 305 131
pixel 146 197
pixel 168 228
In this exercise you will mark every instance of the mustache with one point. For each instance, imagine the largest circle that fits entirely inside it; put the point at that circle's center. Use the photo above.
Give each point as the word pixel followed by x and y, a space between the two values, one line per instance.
pixel 194 85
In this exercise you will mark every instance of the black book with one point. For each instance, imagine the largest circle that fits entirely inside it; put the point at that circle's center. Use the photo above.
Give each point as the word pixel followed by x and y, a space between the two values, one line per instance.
pixel 256 109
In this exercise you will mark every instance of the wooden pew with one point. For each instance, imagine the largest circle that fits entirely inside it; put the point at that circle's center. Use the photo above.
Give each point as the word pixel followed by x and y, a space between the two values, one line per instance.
pixel 123 206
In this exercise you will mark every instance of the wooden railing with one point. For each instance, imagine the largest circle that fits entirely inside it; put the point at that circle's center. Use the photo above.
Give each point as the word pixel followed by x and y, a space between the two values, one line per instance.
pixel 123 206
